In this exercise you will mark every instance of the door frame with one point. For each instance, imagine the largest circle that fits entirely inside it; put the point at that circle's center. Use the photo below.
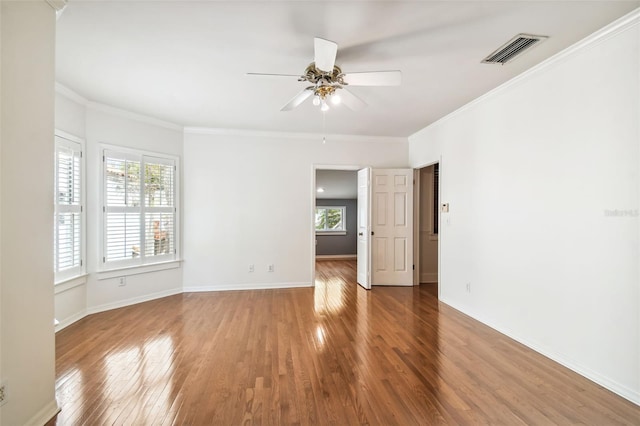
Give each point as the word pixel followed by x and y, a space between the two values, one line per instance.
pixel 312 212
pixel 416 226
pixel 416 229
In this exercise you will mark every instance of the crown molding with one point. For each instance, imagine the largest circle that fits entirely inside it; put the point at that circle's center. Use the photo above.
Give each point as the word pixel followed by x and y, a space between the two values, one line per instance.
pixel 70 94
pixel 291 135
pixel 96 106
pixel 57 5
pixel 616 27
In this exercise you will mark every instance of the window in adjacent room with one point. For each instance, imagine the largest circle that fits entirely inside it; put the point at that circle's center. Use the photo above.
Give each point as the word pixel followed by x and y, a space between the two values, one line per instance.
pixel 139 210
pixel 68 250
pixel 330 219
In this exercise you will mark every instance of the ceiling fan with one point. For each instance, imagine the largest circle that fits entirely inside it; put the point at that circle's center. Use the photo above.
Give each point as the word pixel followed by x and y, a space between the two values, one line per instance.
pixel 328 81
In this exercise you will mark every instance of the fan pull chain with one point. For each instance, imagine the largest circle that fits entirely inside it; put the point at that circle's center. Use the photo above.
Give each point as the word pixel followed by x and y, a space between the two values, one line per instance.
pixel 324 127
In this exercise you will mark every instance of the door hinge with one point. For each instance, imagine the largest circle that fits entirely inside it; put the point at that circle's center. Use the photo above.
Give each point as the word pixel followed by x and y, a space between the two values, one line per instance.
pixel 104 260
pixel 414 267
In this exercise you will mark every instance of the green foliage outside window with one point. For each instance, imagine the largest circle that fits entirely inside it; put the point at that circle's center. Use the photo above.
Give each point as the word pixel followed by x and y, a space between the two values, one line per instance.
pixel 330 219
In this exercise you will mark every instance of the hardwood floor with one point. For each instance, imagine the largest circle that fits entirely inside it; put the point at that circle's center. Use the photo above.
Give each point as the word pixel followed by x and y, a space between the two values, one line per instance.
pixel 333 354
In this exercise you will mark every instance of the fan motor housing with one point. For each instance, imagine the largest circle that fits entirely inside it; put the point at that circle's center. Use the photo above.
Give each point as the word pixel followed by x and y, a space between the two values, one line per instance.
pixel 316 76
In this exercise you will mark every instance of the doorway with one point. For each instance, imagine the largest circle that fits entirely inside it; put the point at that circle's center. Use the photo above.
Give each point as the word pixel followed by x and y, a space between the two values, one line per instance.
pixel 335 194
pixel 389 235
pixel 427 225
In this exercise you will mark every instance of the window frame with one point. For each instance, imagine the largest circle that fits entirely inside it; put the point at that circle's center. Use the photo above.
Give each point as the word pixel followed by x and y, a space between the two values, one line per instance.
pixel 143 261
pixel 69 141
pixel 325 231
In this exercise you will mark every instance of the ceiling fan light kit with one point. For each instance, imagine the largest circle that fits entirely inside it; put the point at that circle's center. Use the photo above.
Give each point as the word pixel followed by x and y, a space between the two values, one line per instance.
pixel 326 79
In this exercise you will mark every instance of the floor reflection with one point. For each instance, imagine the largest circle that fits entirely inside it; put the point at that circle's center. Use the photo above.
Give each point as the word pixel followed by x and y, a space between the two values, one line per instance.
pixel 335 354
pixel 147 371
pixel 362 325
pixel 68 390
pixel 320 337
pixel 131 382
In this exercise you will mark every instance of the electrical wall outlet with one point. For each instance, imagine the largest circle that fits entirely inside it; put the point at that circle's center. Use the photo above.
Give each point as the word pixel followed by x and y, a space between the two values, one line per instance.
pixel 122 281
pixel 3 393
pixel 270 268
pixel 252 268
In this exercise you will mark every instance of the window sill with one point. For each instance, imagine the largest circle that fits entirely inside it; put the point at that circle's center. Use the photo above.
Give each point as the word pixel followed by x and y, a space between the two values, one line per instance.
pixel 69 283
pixel 331 232
pixel 138 269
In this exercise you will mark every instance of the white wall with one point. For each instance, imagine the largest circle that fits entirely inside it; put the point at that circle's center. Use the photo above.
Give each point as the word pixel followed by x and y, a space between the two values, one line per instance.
pixel 70 113
pixel 28 359
pixel 70 299
pixel 529 171
pixel 99 124
pixel 1 197
pixel 110 126
pixel 248 200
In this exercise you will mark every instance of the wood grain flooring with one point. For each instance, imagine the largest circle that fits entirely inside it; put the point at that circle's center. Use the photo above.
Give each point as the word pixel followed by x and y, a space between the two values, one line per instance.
pixel 334 354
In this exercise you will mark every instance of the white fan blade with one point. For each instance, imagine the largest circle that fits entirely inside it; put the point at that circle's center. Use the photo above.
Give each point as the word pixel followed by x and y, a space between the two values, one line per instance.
pixel 353 102
pixel 261 74
pixel 374 78
pixel 297 100
pixel 325 54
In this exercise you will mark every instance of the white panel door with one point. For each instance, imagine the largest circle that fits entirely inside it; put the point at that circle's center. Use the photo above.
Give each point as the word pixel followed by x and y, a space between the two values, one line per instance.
pixel 391 227
pixel 364 229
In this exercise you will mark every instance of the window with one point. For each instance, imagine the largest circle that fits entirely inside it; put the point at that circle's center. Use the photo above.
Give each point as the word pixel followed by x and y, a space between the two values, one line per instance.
pixel 331 219
pixel 139 212
pixel 68 250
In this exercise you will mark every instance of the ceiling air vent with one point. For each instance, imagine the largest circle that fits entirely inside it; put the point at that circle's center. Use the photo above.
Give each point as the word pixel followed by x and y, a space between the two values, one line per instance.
pixel 513 48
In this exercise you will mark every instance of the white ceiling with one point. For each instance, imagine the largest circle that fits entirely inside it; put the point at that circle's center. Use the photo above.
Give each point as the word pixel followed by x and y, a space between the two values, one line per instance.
pixel 337 184
pixel 185 62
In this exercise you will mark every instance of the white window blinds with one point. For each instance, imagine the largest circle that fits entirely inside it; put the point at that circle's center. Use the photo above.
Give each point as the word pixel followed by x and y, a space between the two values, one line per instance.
pixel 159 219
pixel 69 222
pixel 139 208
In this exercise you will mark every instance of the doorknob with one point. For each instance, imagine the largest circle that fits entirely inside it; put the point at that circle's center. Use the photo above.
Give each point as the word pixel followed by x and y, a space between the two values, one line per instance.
pixel 372 233
pixel 360 233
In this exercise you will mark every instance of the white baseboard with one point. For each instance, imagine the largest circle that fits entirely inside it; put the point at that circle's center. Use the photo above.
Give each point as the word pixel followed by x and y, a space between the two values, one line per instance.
pixel 428 277
pixel 193 289
pixel 336 256
pixel 133 301
pixel 615 387
pixel 43 416
pixel 251 286
pixel 66 322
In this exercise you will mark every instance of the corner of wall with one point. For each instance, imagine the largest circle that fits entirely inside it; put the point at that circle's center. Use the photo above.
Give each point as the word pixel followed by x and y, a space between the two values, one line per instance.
pixel 528 223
